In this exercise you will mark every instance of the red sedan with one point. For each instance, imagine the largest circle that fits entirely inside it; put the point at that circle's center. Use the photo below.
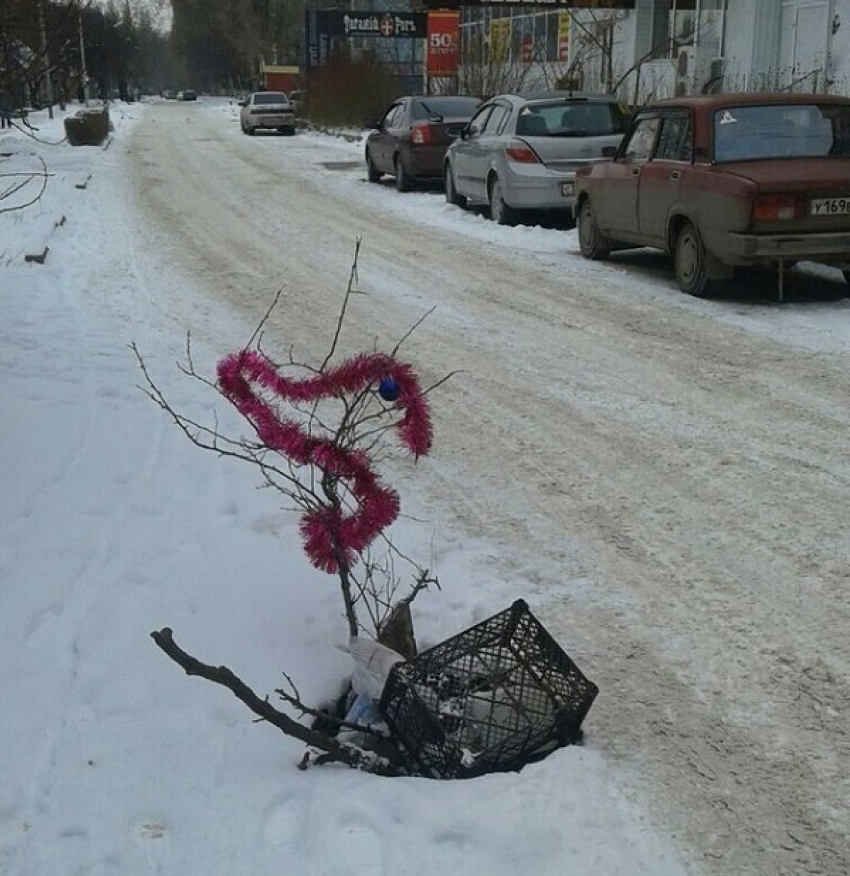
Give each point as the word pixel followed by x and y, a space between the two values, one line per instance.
pixel 723 182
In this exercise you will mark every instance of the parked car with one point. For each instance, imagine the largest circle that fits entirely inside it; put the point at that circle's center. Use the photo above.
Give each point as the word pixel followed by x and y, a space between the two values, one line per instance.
pixel 725 181
pixel 521 151
pixel 296 98
pixel 187 94
pixel 266 109
pixel 412 136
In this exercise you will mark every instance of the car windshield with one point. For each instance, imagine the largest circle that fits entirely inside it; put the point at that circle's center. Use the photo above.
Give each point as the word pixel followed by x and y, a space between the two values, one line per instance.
pixel 266 97
pixel 447 107
pixel 577 119
pixel 748 133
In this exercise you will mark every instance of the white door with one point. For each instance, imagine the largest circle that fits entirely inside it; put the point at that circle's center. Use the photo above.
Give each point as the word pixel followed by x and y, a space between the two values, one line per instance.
pixel 804 39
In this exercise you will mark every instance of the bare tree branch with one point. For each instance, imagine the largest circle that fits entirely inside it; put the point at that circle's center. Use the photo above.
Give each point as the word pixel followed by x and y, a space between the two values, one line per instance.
pixel 352 278
pixel 334 751
pixel 19 185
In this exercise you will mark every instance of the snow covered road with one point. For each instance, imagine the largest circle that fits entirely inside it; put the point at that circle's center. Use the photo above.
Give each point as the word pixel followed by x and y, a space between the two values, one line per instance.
pixel 667 479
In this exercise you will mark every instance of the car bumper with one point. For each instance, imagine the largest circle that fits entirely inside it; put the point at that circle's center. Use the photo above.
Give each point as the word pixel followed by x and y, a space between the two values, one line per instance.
pixel 425 161
pixel 748 249
pixel 534 188
pixel 283 120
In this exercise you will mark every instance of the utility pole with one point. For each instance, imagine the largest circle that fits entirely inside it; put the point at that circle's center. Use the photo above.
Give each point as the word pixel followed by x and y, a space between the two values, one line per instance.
pixel 48 70
pixel 84 71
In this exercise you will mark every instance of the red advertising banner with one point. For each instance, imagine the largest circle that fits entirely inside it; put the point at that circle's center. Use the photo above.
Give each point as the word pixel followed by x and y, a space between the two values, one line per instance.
pixel 443 43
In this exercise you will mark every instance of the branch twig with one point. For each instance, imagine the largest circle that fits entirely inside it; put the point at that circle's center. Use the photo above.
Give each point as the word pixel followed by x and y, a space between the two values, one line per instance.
pixel 334 751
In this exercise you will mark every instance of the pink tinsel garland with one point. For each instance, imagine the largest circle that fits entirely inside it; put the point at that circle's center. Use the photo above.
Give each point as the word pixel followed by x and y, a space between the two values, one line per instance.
pixel 326 531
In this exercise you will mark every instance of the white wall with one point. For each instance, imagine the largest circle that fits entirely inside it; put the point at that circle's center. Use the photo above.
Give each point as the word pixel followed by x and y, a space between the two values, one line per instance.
pixel 622 55
pixel 750 51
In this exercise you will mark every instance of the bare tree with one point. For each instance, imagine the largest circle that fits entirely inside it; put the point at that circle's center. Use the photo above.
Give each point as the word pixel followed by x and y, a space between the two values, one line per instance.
pixel 321 430
pixel 486 64
pixel 593 46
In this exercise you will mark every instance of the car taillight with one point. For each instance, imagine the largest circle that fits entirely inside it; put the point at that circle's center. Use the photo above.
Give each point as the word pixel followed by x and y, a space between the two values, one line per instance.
pixel 773 208
pixel 521 152
pixel 421 134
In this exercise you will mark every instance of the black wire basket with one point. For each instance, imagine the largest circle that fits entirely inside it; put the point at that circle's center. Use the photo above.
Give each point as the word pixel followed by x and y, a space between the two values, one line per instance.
pixel 493 698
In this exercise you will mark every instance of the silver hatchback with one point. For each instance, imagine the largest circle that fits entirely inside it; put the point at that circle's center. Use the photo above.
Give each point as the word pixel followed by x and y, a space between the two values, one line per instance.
pixel 267 109
pixel 520 152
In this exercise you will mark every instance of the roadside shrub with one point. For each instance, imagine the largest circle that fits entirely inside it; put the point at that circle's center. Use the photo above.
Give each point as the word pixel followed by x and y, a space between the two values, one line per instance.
pixel 346 92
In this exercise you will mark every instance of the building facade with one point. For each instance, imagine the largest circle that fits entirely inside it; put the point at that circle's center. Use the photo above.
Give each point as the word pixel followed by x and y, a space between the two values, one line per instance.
pixel 659 48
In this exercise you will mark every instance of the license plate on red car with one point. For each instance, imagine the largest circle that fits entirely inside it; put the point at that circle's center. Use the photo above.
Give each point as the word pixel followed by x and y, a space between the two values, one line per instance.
pixel 830 206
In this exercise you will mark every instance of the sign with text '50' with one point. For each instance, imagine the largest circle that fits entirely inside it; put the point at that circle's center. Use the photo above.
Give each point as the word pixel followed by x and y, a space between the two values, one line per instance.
pixel 443 41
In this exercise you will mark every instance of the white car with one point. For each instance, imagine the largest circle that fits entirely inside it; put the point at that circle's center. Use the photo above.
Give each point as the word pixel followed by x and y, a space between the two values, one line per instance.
pixel 267 109
pixel 520 152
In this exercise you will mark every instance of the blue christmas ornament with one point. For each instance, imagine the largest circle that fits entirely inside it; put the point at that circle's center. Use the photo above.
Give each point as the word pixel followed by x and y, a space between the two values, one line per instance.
pixel 389 390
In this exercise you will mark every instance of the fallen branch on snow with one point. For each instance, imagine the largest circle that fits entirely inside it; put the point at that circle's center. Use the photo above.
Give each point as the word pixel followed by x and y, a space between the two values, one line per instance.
pixel 332 750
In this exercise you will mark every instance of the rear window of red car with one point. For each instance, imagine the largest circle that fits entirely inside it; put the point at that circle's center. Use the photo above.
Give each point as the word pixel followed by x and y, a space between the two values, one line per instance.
pixel 746 133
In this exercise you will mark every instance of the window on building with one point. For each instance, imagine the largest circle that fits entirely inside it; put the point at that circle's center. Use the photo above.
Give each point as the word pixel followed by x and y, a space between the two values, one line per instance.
pixel 673 26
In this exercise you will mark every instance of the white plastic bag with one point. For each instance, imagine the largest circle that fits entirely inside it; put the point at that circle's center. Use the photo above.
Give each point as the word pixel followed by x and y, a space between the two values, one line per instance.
pixel 372 665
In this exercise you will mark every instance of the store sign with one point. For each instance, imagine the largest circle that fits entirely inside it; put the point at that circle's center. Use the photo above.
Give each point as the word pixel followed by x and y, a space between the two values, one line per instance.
pixel 380 24
pixel 322 26
pixel 443 42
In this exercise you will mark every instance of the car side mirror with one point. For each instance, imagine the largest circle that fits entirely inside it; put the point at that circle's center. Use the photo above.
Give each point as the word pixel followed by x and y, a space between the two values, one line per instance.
pixel 609 151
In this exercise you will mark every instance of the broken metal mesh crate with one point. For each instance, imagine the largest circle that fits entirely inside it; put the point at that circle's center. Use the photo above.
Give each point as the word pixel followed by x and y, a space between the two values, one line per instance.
pixel 493 698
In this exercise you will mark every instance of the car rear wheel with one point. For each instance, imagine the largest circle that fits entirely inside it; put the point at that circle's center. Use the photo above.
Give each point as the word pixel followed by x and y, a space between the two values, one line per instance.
pixel 372 172
pixel 403 180
pixel 690 263
pixel 250 131
pixel 591 242
pixel 500 212
pixel 452 196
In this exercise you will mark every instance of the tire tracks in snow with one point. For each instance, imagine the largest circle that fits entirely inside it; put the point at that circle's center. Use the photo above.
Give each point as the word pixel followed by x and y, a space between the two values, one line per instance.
pixel 671 486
